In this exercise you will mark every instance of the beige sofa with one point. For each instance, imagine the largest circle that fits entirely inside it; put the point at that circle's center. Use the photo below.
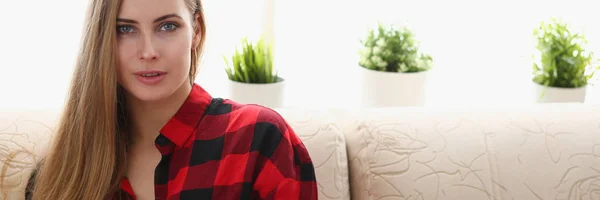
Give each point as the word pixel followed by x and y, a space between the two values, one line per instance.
pixel 549 151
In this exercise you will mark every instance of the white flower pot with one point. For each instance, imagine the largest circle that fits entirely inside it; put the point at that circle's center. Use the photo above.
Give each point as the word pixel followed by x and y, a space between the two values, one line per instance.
pixel 269 95
pixel 555 94
pixel 389 89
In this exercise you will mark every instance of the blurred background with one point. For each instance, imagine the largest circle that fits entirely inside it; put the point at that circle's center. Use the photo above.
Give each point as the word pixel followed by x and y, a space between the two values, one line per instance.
pixel 481 50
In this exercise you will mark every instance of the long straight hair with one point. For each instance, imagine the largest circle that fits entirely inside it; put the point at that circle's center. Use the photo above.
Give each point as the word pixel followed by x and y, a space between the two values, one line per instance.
pixel 87 157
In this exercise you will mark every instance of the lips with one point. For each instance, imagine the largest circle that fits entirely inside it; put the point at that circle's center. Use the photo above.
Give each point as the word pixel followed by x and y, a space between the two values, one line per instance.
pixel 150 77
pixel 150 73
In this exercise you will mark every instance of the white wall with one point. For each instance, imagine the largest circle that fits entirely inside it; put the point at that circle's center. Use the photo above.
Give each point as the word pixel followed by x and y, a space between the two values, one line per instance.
pixel 480 48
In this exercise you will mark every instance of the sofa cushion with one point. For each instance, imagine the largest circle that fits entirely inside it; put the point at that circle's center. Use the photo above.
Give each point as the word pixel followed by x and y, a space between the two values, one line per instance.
pixel 327 147
pixel 548 151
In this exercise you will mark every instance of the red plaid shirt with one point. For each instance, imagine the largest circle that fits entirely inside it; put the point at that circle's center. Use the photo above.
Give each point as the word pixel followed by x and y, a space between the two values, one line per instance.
pixel 218 149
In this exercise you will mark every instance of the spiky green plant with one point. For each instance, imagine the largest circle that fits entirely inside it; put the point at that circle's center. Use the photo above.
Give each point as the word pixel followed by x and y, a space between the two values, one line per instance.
pixel 393 49
pixel 561 59
pixel 254 64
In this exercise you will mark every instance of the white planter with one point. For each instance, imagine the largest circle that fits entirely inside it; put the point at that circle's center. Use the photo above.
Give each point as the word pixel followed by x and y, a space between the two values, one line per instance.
pixel 555 94
pixel 269 95
pixel 389 89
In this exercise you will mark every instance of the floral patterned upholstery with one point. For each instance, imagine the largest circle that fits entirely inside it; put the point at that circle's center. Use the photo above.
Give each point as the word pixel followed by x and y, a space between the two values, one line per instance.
pixel 549 151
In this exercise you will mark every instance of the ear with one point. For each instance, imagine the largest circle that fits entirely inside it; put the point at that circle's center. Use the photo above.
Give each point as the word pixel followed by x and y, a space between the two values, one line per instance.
pixel 197 33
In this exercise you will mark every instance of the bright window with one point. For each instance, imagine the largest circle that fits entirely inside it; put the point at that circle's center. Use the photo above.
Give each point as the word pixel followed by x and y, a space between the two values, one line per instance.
pixel 481 49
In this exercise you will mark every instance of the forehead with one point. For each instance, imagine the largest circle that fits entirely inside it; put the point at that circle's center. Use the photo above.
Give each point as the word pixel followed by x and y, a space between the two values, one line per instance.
pixel 150 9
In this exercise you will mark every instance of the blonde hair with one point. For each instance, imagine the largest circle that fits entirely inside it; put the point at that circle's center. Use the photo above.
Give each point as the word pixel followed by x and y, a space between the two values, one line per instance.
pixel 87 157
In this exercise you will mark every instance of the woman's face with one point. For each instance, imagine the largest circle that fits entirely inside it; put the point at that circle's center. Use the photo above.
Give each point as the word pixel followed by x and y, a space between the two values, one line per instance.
pixel 154 43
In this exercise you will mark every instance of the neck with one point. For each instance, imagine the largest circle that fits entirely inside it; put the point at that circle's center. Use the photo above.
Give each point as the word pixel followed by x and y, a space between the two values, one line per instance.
pixel 146 118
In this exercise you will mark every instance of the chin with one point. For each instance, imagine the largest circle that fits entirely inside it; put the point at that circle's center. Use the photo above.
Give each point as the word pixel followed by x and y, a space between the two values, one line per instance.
pixel 150 96
pixel 152 93
pixel 146 93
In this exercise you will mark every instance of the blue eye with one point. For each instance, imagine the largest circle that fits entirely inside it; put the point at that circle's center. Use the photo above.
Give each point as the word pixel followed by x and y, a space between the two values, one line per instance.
pixel 124 29
pixel 168 27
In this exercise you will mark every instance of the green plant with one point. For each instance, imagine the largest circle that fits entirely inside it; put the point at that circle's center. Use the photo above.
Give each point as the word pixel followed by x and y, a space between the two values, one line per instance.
pixel 561 59
pixel 254 64
pixel 393 49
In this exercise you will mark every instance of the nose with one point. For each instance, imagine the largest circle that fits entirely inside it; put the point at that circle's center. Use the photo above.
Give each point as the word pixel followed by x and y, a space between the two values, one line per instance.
pixel 148 49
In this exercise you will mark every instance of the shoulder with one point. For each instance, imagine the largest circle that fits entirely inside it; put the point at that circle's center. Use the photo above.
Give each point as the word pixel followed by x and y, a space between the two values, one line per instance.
pixel 264 125
pixel 279 158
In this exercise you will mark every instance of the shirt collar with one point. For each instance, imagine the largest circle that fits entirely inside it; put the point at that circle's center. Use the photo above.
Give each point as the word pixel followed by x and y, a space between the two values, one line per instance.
pixel 182 125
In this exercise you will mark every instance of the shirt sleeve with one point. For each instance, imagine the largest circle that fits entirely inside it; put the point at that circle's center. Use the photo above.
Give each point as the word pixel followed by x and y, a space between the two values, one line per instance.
pixel 285 169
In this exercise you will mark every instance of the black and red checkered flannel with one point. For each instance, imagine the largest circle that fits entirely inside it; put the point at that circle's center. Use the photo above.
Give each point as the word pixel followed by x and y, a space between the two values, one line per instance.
pixel 218 149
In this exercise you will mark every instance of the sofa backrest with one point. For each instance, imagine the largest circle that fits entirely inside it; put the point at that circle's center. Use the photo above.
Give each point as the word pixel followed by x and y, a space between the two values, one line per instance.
pixel 549 151
pixel 24 136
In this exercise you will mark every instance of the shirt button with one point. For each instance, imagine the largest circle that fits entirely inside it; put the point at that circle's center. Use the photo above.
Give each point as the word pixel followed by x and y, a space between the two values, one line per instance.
pixel 161 140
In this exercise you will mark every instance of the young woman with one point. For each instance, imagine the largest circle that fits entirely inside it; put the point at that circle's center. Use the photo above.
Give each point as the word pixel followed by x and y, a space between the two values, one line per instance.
pixel 136 126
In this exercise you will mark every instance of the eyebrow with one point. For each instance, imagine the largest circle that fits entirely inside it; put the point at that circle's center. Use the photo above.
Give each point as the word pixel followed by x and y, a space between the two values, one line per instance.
pixel 156 20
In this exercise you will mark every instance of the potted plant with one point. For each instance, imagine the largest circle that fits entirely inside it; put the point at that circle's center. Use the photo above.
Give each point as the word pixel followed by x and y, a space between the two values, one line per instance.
pixel 561 67
pixel 252 77
pixel 394 70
